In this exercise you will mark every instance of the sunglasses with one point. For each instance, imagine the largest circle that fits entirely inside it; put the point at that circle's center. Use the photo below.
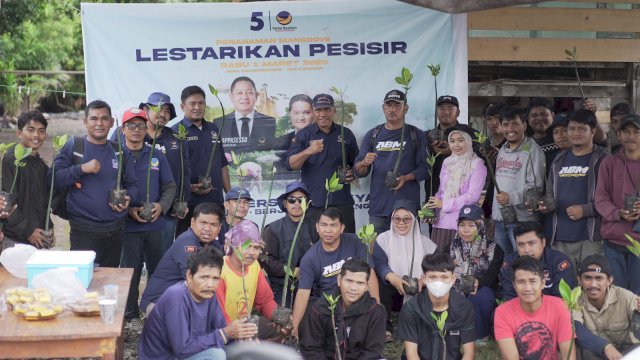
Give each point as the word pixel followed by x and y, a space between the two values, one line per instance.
pixel 293 199
pixel 405 220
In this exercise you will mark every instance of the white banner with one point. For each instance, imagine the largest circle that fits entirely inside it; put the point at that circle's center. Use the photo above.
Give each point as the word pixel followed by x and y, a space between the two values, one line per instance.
pixel 286 48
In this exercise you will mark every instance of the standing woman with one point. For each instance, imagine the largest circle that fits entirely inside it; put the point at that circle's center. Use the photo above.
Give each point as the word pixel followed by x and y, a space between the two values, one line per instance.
pixel 461 182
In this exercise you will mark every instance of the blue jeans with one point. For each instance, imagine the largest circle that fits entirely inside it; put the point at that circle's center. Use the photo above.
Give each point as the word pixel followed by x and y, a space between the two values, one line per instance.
pixel 625 267
pixel 209 354
pixel 484 302
pixel 380 223
pixel 169 232
pixel 503 236
pixel 139 248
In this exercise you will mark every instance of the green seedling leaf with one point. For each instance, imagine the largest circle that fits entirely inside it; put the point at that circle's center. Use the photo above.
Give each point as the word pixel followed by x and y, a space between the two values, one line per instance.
pixel 565 291
pixel 304 205
pixel 566 51
pixel 634 248
pixel 21 153
pixel 333 184
pixel 481 138
pixel 406 75
pixel 431 160
pixel 435 69
pixel 575 295
pixel 182 133
pixel 213 90
pixel 288 271
pixel 335 90
pixel 5 147
pixel 245 245
pixel 59 141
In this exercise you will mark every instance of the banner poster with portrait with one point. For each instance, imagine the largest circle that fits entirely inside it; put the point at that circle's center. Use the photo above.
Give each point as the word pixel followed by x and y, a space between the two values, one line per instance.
pixel 286 48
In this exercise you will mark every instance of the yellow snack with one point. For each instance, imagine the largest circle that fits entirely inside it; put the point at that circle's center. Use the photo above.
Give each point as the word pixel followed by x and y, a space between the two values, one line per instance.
pixel 45 299
pixel 47 312
pixel 32 315
pixel 58 309
pixel 91 295
pixel 24 292
pixel 26 298
pixel 19 309
pixel 12 291
pixel 13 299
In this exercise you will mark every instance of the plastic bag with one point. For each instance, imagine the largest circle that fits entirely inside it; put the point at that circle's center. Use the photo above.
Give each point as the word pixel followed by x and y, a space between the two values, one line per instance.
pixel 61 282
pixel 14 259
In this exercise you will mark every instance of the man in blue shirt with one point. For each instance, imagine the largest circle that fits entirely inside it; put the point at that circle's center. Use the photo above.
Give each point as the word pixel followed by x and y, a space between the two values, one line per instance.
pixel 142 241
pixel 95 223
pixel 204 231
pixel 379 152
pixel 188 322
pixel 169 145
pixel 202 137
pixel 322 263
pixel 317 153
pixel 530 241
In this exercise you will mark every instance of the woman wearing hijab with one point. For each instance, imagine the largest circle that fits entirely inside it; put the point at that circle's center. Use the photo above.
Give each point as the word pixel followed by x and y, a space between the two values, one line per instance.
pixel 461 182
pixel 477 262
pixel 398 252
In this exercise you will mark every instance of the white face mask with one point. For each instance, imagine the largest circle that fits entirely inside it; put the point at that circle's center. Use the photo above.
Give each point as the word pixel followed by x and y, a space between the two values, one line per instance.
pixel 438 288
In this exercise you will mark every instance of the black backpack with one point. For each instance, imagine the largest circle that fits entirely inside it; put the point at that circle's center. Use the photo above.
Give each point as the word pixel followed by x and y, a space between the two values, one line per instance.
pixel 59 199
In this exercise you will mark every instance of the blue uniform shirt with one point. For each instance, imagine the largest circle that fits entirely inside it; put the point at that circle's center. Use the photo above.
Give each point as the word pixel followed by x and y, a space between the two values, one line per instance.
pixel 386 145
pixel 199 147
pixel 160 175
pixel 88 198
pixel 319 167
pixel 555 266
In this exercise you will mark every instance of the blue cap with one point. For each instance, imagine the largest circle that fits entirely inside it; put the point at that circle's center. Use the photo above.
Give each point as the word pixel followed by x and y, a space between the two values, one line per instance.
pixel 293 187
pixel 470 212
pixel 236 193
pixel 157 98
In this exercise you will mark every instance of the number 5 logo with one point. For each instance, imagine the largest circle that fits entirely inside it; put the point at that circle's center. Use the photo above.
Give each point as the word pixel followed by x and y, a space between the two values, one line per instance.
pixel 256 22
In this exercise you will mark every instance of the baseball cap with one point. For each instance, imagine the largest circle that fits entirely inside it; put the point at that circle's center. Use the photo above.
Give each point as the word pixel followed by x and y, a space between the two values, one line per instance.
pixel 447 99
pixel 323 101
pixel 596 263
pixel 395 95
pixel 293 187
pixel 236 193
pixel 241 232
pixel 156 98
pixel 470 212
pixel 134 113
pixel 621 109
pixel 561 119
pixel 630 119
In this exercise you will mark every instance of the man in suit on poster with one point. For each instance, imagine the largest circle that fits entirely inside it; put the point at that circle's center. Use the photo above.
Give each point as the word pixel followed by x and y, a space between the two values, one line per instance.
pixel 246 129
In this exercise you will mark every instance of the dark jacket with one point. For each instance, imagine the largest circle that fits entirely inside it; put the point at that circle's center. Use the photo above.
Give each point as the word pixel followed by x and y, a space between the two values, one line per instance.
pixel 588 209
pixel 31 193
pixel 262 136
pixel 417 326
pixel 361 330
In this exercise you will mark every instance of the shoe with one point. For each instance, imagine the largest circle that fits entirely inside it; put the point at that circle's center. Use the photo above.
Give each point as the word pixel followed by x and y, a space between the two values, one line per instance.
pixel 388 337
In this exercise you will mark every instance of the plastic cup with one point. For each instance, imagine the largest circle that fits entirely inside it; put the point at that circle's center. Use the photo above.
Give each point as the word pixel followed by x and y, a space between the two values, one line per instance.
pixel 110 291
pixel 107 311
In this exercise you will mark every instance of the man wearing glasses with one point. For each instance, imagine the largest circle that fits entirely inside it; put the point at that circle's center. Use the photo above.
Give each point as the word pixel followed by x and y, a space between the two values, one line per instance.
pixel 278 236
pixel 142 242
pixel 323 262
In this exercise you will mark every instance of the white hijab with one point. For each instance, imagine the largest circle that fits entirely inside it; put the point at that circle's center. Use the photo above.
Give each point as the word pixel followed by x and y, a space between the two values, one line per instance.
pixel 399 247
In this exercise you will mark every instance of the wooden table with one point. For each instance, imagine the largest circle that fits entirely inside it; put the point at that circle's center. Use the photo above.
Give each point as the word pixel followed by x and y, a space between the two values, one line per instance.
pixel 67 335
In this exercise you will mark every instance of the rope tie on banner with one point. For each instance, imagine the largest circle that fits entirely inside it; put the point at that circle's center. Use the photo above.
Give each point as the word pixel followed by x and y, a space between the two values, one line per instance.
pixel 30 89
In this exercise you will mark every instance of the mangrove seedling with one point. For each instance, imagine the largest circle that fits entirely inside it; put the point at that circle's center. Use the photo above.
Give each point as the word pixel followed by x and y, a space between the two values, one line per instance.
pixel 344 170
pixel 391 177
pixel 410 284
pixel 21 154
pixel 282 314
pixel 179 208
pixel 58 143
pixel 440 321
pixel 8 197
pixel 117 197
pixel 332 185
pixel 367 235
pixel 533 193
pixel 238 253
pixel 205 179
pixel 634 248
pixel 146 211
pixel 427 213
pixel 435 134
pixel 468 281
pixel 264 217
pixel 572 55
pixel 333 301
pixel 570 298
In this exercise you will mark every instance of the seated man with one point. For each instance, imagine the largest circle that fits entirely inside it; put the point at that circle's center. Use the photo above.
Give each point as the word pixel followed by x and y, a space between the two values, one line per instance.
pixel 187 322
pixel 244 286
pixel 324 260
pixel 530 241
pixel 204 230
pixel 532 326
pixel 278 236
pixel 417 326
pixel 603 323
pixel 359 318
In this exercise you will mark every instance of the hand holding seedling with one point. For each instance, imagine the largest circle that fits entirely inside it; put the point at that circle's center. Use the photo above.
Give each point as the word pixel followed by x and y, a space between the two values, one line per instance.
pixel 134 212
pixel 502 198
pixel 91 167
pixel 122 207
pixel 241 329
pixel 36 239
pixel 3 203
pixel 397 282
pixel 197 188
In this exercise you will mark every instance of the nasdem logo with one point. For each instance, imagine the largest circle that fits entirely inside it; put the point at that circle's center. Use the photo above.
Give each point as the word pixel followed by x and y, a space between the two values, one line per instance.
pixel 284 18
pixel 282 23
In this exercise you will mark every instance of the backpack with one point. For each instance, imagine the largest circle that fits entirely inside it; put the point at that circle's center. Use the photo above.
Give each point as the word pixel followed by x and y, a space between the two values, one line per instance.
pixel 59 199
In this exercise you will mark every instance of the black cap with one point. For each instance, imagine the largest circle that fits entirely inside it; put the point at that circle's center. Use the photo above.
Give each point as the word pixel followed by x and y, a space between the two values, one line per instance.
pixel 630 119
pixel 447 99
pixel 595 263
pixel 470 212
pixel 560 119
pixel 323 101
pixel 395 95
pixel 410 206
pixel 236 192
pixel 621 109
